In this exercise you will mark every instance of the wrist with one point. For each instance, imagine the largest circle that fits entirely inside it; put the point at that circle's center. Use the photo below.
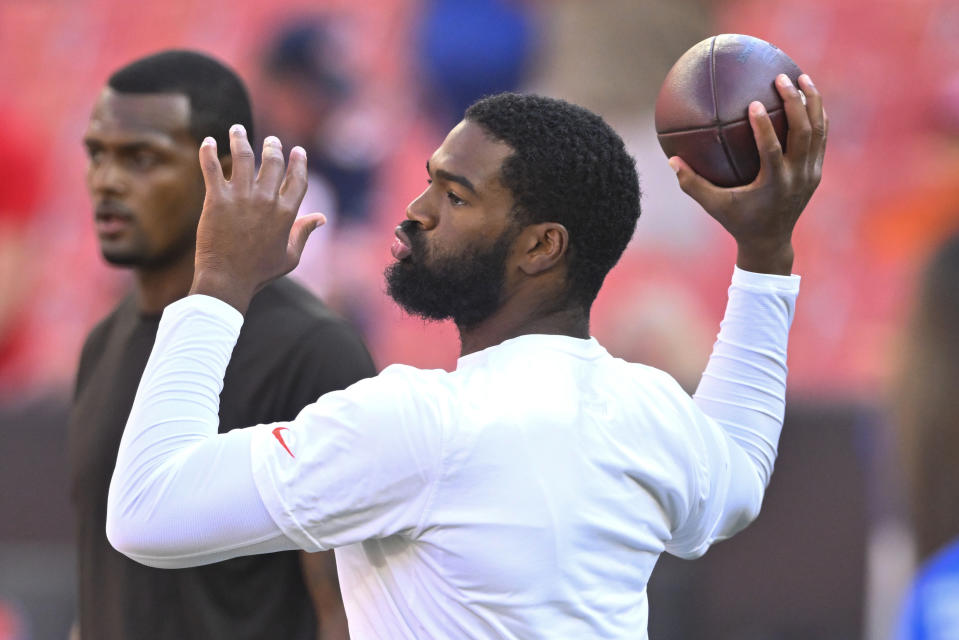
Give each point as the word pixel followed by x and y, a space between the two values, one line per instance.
pixel 211 283
pixel 776 259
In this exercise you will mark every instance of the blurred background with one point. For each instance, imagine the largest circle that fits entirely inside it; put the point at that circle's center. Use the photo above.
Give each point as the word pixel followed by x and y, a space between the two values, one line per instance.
pixel 370 89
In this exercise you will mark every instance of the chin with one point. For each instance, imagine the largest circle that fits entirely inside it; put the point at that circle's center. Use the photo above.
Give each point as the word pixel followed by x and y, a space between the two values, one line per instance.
pixel 122 259
pixel 422 294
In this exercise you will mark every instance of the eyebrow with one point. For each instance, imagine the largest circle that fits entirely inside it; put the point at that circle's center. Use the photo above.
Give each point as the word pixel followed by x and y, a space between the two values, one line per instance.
pixel 145 140
pixel 124 146
pixel 451 177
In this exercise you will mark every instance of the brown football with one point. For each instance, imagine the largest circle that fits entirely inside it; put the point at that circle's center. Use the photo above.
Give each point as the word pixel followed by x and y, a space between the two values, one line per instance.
pixel 701 111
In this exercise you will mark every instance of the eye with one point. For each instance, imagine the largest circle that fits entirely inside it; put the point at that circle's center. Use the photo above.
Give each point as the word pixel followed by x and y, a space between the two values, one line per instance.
pixel 143 159
pixel 454 199
pixel 95 154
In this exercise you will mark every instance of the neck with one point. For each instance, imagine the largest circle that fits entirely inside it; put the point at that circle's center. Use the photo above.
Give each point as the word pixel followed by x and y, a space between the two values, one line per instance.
pixel 517 319
pixel 158 287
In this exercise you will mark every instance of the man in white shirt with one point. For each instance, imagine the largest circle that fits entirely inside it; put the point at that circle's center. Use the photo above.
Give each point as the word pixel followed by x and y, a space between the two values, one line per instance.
pixel 529 492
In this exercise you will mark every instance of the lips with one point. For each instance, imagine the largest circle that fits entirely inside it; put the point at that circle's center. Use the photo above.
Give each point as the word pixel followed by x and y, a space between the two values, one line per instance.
pixel 401 248
pixel 111 219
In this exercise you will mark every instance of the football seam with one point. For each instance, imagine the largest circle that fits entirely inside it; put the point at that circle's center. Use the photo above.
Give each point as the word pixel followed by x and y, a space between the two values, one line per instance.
pixel 719 131
pixel 717 125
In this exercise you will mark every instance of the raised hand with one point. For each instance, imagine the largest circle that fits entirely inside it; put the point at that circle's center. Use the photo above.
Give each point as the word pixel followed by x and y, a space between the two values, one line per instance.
pixel 761 215
pixel 248 233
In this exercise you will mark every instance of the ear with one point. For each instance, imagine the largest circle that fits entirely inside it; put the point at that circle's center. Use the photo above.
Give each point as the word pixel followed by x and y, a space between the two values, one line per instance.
pixel 544 246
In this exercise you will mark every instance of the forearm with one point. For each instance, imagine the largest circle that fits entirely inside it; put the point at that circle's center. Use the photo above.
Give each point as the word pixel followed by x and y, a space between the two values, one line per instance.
pixel 319 574
pixel 181 494
pixel 744 387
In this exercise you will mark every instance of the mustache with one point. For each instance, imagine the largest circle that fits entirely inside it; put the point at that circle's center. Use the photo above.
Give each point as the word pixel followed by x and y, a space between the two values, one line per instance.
pixel 112 208
pixel 413 231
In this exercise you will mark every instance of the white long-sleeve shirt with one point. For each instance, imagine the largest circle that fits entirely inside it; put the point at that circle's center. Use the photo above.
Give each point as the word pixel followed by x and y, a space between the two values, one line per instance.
pixel 526 494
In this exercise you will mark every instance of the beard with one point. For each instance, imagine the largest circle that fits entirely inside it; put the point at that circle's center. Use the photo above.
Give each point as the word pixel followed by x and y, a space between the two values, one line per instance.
pixel 467 287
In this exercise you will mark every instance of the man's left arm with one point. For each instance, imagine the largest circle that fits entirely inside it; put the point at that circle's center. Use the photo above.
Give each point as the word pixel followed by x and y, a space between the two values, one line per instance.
pixel 322 581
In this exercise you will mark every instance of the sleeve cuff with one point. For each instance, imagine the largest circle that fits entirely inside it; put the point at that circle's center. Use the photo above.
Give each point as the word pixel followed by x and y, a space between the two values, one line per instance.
pixel 206 305
pixel 759 281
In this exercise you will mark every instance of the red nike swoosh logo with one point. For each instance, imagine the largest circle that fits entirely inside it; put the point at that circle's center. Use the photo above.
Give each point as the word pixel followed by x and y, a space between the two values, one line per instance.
pixel 279 436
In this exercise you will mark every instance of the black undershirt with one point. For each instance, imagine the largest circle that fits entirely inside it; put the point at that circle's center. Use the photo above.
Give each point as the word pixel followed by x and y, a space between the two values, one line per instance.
pixel 291 350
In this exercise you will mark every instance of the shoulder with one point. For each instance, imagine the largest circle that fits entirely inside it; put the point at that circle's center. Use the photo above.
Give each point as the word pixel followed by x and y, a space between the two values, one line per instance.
pixel 292 316
pixel 286 300
pixel 103 328
pixel 286 305
pixel 99 338
pixel 409 384
pixel 402 391
pixel 296 347
pixel 651 390
pixel 101 332
pixel 404 375
pixel 401 410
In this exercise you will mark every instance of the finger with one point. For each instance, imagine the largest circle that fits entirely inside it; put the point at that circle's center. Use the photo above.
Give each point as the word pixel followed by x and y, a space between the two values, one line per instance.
pixel 770 151
pixel 271 167
pixel 294 182
pixel 242 152
pixel 822 152
pixel 818 122
pixel 300 233
pixel 697 187
pixel 797 118
pixel 210 166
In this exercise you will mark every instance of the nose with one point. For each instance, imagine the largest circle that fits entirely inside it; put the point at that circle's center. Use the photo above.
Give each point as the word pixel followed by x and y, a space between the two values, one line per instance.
pixel 105 177
pixel 419 211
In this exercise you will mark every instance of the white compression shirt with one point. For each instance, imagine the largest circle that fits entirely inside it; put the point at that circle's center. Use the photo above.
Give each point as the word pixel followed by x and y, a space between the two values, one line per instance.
pixel 528 493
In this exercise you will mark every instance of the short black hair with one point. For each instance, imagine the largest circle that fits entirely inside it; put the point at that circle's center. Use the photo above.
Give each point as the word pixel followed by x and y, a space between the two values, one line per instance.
pixel 567 166
pixel 218 98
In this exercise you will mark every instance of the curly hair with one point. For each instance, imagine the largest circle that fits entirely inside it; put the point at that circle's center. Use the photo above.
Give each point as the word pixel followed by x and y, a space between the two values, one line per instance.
pixel 567 166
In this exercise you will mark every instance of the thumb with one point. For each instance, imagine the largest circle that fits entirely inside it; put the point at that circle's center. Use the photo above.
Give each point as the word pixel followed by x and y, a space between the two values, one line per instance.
pixel 301 230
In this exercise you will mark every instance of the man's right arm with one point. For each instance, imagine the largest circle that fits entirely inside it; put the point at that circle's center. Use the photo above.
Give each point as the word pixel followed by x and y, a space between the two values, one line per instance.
pixel 742 398
pixel 743 388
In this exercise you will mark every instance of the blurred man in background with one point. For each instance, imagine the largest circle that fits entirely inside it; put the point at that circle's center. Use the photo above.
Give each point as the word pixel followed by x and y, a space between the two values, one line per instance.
pixel 467 49
pixel 308 96
pixel 929 421
pixel 147 190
